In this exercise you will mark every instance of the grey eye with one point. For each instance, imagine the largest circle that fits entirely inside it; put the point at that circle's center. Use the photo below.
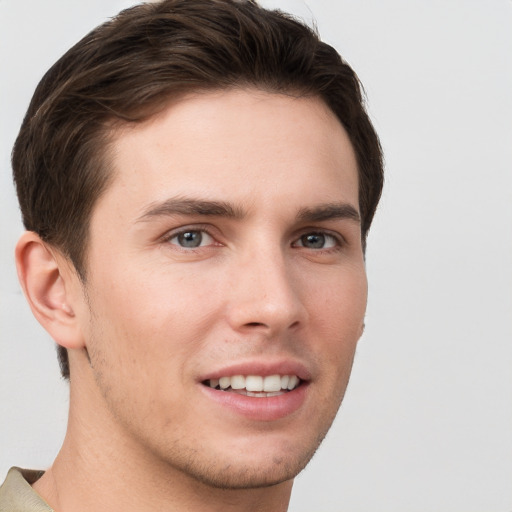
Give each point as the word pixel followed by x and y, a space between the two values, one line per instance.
pixel 191 239
pixel 313 241
pixel 317 241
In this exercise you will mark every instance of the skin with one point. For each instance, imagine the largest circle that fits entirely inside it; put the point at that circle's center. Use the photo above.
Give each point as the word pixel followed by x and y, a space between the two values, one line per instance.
pixel 154 318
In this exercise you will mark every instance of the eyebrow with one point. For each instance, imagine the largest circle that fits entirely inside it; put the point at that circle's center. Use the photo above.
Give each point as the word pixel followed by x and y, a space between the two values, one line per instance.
pixel 189 206
pixel 329 211
pixel 202 207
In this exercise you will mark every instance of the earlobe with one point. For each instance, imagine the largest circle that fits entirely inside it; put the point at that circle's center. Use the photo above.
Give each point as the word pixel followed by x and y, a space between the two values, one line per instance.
pixel 46 279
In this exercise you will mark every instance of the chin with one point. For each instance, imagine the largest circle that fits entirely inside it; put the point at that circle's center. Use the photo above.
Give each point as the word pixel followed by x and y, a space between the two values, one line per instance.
pixel 251 472
pixel 245 476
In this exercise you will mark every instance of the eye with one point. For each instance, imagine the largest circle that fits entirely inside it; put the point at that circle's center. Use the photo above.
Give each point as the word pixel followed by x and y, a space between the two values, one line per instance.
pixel 191 239
pixel 317 241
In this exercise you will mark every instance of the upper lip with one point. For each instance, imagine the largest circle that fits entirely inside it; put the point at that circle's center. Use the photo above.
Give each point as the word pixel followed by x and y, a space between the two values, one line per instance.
pixel 260 367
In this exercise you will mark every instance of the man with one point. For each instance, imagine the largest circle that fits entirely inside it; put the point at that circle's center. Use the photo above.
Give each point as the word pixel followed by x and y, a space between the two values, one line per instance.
pixel 197 180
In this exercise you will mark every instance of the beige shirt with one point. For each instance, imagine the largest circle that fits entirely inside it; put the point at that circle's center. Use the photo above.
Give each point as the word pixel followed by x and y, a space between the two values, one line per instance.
pixel 16 495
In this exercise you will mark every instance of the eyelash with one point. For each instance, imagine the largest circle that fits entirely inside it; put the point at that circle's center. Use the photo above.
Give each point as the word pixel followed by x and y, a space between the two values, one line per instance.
pixel 337 240
pixel 196 229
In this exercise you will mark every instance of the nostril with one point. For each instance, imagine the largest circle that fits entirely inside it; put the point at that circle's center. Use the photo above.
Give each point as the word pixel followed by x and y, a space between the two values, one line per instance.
pixel 261 324
pixel 255 324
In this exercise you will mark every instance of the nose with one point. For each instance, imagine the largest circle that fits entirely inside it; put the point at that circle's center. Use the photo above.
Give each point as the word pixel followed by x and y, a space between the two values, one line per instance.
pixel 264 295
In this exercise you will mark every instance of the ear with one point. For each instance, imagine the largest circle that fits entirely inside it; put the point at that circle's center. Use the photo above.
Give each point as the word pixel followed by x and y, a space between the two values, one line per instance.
pixel 51 288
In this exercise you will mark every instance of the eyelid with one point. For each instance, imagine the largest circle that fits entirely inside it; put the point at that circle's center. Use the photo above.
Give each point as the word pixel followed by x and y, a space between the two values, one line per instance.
pixel 203 228
pixel 338 238
pixel 209 230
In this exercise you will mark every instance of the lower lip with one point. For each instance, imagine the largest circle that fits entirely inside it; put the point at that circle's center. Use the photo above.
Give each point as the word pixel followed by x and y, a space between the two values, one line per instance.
pixel 260 409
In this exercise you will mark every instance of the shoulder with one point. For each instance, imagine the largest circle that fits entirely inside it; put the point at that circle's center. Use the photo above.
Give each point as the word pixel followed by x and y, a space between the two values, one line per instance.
pixel 17 495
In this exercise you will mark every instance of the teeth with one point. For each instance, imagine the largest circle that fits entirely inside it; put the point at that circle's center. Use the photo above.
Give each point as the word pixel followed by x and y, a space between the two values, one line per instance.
pixel 255 395
pixel 292 383
pixel 238 382
pixel 272 383
pixel 224 382
pixel 256 385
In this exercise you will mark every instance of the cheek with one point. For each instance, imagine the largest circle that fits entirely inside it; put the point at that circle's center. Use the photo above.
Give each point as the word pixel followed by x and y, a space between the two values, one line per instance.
pixel 337 317
pixel 340 301
pixel 156 320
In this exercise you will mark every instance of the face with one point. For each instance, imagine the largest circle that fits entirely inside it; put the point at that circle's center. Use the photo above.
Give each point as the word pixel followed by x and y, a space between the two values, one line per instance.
pixel 226 285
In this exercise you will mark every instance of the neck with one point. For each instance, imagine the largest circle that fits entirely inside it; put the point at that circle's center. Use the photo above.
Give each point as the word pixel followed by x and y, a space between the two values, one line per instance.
pixel 100 467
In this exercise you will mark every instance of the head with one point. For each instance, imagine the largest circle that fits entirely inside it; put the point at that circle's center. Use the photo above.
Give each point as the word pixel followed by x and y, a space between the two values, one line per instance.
pixel 130 76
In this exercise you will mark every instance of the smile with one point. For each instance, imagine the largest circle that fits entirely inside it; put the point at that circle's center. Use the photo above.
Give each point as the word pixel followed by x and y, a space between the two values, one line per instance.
pixel 255 385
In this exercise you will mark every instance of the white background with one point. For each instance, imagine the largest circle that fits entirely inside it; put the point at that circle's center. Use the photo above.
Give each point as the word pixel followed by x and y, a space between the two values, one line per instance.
pixel 427 421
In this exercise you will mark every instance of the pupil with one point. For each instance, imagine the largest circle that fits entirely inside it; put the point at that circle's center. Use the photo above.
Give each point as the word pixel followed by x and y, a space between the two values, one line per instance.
pixel 314 241
pixel 190 239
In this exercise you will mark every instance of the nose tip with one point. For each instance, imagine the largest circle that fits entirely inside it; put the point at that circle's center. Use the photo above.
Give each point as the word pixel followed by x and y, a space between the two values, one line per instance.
pixel 266 300
pixel 265 316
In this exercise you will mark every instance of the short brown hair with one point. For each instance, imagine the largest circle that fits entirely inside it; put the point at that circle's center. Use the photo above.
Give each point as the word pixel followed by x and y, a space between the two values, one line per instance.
pixel 128 68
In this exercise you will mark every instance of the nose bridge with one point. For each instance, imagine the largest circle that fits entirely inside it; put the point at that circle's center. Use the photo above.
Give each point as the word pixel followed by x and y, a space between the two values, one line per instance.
pixel 265 295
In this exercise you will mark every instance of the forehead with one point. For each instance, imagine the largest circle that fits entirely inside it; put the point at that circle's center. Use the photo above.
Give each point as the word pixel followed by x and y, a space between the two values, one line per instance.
pixel 246 145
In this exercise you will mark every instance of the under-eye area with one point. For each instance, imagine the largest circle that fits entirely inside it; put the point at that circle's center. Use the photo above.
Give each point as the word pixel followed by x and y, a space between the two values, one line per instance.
pixel 255 385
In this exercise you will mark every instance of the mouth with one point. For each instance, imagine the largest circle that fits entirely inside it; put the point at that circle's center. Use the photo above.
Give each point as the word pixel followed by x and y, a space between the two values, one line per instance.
pixel 256 386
